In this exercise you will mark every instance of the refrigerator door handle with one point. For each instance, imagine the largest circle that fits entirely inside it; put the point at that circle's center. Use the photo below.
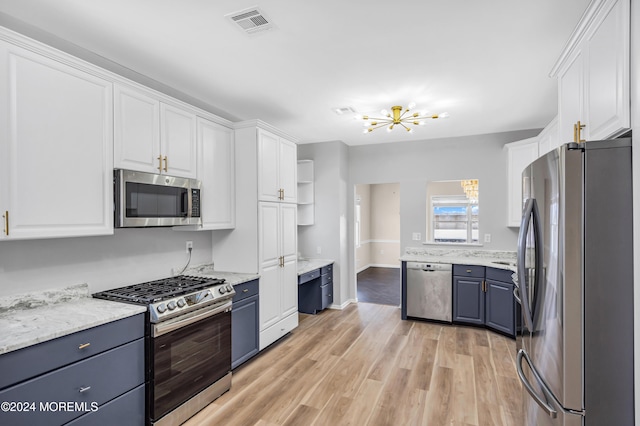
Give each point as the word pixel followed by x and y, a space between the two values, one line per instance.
pixel 522 252
pixel 522 354
pixel 516 295
pixel 539 400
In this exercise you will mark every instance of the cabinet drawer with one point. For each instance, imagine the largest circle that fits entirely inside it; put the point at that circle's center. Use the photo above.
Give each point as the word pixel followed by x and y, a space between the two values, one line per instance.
pixel 34 360
pixel 93 380
pixel 125 410
pixel 502 275
pixel 304 278
pixel 245 290
pixel 326 279
pixel 327 269
pixel 468 271
pixel 327 295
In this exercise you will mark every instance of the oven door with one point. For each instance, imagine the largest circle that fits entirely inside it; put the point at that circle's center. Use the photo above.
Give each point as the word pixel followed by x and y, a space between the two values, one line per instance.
pixel 188 354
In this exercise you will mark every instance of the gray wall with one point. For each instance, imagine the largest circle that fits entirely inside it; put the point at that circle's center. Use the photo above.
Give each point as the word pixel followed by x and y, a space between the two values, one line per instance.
pixel 331 226
pixel 411 164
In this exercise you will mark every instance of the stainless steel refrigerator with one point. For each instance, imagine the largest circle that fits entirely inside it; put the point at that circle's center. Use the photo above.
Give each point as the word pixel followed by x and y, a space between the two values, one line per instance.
pixel 575 286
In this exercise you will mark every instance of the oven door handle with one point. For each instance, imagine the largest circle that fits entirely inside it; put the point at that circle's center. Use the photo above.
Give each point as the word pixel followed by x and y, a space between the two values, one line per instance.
pixel 168 326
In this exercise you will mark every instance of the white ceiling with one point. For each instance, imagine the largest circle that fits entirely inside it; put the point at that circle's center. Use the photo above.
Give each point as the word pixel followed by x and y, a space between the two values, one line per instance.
pixel 486 62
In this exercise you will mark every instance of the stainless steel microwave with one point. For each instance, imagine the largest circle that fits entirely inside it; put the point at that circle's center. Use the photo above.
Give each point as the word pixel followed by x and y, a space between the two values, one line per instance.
pixel 148 199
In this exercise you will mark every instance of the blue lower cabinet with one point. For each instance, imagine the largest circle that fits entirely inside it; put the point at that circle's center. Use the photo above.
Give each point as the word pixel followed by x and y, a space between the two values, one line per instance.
pixel 85 388
pixel 245 317
pixel 315 290
pixel 484 296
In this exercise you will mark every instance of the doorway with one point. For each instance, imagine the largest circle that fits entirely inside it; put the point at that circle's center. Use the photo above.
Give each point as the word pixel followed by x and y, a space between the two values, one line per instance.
pixel 377 243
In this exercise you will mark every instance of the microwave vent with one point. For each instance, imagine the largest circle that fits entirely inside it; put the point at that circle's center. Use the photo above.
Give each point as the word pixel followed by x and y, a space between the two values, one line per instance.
pixel 250 20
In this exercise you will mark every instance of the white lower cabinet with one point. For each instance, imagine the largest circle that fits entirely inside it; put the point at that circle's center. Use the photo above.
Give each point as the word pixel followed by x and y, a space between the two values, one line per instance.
pixel 56 148
pixel 277 254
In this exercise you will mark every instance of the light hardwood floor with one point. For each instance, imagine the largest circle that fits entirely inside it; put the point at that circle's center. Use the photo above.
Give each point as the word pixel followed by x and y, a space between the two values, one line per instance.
pixel 365 366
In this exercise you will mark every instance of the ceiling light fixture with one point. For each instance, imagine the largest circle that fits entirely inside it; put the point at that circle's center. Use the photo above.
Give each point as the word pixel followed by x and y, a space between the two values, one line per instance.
pixel 470 187
pixel 399 116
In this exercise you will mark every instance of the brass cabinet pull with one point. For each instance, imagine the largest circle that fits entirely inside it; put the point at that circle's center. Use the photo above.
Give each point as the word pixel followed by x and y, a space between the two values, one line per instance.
pixel 577 128
pixel 160 163
pixel 282 194
pixel 468 271
pixel 84 345
pixel 6 222
pixel 166 164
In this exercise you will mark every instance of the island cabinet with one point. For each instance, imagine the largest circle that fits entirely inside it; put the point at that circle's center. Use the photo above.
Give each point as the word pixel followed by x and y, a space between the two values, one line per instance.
pixel 245 328
pixel 315 290
pixel 484 296
pixel 92 377
pixel 56 145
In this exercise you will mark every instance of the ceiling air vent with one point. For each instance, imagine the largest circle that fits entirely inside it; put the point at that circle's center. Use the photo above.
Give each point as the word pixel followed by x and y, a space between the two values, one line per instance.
pixel 250 20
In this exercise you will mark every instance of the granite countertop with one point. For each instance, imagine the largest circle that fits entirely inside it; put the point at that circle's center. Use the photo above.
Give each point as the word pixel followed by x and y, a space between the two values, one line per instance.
pixel 35 317
pixel 232 278
pixel 308 265
pixel 492 258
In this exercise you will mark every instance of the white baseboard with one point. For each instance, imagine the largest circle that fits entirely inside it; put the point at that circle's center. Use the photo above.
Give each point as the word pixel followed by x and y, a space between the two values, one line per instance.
pixel 344 304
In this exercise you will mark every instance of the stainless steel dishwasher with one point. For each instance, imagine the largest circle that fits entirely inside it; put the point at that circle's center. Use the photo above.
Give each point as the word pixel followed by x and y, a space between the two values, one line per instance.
pixel 429 291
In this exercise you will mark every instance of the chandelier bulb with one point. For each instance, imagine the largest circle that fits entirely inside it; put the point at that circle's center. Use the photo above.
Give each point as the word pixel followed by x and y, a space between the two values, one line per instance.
pixel 411 105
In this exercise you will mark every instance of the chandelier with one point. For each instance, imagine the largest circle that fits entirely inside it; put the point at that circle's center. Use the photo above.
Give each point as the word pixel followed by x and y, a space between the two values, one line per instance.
pixel 399 116
pixel 470 187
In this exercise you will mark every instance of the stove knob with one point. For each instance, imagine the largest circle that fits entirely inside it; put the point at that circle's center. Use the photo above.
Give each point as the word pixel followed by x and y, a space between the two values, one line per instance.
pixel 171 305
pixel 222 290
pixel 161 308
pixel 229 288
pixel 181 303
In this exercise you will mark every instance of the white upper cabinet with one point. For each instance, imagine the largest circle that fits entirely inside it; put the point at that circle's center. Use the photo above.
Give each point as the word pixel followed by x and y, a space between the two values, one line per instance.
pixel 519 155
pixel 593 75
pixel 216 171
pixel 277 168
pixel 56 146
pixel 548 138
pixel 153 136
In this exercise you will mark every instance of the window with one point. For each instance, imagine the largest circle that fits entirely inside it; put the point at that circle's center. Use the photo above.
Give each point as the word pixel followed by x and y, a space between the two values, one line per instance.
pixel 454 219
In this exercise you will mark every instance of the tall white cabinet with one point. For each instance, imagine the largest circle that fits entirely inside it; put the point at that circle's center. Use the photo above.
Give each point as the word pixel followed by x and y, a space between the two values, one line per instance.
pixel 264 240
pixel 56 177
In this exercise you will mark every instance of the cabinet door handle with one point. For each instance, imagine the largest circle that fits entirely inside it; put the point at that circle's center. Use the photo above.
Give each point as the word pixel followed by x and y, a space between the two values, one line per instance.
pixel 577 128
pixel 468 271
pixel 166 164
pixel 6 222
pixel 159 163
pixel 84 388
pixel 84 345
pixel 246 290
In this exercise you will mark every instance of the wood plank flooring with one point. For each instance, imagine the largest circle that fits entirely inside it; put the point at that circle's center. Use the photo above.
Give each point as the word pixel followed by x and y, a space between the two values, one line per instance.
pixel 365 366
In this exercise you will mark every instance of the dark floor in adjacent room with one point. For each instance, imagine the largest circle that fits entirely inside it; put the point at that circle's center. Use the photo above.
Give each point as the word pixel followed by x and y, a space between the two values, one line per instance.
pixel 379 285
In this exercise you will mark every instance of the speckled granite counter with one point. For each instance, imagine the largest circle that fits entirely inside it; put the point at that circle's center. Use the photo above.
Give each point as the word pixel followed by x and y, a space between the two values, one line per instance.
pixel 492 258
pixel 308 265
pixel 232 278
pixel 30 318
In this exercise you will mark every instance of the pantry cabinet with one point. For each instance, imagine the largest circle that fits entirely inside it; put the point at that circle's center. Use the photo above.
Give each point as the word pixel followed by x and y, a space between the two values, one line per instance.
pixel 153 136
pixel 277 168
pixel 56 146
pixel 277 251
pixel 593 75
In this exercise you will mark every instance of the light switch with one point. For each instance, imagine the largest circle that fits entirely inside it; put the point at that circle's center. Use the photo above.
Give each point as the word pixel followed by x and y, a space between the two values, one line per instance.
pixel 417 236
pixel 487 238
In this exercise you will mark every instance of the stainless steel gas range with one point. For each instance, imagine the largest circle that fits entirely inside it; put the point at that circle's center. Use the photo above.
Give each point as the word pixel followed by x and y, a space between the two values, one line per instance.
pixel 188 356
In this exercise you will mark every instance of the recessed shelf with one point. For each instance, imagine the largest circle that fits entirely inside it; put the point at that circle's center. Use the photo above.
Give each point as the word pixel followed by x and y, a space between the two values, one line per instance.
pixel 306 199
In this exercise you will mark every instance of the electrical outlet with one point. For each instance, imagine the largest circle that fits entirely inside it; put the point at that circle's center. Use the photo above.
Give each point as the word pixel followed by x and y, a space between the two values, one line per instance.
pixel 417 236
pixel 319 250
pixel 189 246
pixel 487 238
